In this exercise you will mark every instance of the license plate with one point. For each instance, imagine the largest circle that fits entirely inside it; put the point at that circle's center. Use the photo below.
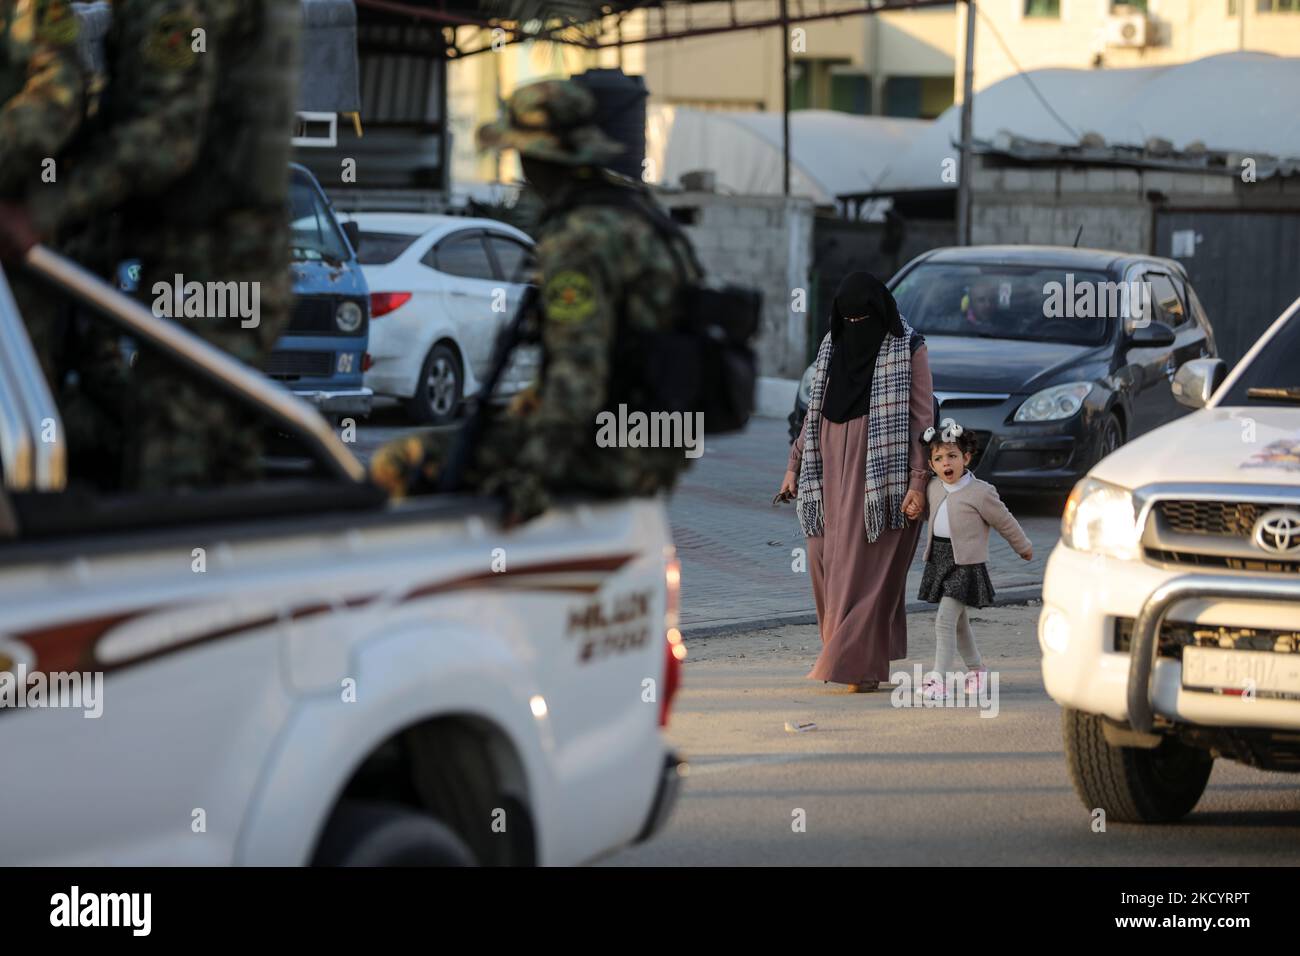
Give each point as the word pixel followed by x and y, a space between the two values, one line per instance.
pixel 1267 673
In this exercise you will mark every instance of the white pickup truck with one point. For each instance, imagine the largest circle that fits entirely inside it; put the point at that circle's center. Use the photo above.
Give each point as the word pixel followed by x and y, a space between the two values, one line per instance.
pixel 1170 628
pixel 298 672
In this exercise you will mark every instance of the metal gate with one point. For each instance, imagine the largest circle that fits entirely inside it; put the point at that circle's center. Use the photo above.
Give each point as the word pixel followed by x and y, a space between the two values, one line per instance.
pixel 1244 265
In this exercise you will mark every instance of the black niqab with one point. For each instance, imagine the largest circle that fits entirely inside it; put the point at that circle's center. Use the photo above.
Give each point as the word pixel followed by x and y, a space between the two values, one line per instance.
pixel 856 345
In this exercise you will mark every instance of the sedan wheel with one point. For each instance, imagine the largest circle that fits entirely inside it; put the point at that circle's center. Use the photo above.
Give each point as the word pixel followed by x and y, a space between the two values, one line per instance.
pixel 1112 436
pixel 438 396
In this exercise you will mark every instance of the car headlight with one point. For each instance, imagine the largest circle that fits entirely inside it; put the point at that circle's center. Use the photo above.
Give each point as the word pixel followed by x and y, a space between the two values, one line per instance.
pixel 1053 404
pixel 348 316
pixel 1099 518
pixel 805 385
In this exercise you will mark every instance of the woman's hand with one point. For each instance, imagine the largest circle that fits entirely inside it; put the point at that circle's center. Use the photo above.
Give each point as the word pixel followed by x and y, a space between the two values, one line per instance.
pixel 913 503
pixel 789 486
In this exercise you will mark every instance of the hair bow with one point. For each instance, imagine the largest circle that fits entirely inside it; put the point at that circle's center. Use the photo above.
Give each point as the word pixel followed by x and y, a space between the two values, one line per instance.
pixel 949 431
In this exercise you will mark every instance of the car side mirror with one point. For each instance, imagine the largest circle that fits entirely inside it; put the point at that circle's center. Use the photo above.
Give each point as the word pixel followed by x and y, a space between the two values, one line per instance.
pixel 353 232
pixel 1153 335
pixel 1197 380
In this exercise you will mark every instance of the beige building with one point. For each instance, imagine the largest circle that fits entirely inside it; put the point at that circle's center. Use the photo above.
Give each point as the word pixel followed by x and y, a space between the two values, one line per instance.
pixel 1086 34
pixel 894 64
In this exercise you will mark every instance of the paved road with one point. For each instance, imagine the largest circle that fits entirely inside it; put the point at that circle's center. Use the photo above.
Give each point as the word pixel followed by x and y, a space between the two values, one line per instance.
pixel 904 786
pixel 736 549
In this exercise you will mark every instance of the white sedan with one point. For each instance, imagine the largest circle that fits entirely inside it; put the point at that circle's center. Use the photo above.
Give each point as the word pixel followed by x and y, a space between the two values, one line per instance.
pixel 440 289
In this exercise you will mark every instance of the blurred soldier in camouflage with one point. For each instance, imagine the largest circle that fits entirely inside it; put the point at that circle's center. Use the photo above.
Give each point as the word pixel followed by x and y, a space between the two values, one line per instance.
pixel 191 149
pixel 603 269
pixel 41 101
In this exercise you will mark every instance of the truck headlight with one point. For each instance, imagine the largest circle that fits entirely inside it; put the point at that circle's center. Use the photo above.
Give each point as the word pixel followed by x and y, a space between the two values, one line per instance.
pixel 348 316
pixel 1099 518
pixel 805 385
pixel 1053 404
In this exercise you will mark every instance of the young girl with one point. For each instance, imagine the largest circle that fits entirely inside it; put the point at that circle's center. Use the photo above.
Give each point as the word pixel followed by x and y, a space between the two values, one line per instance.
pixel 962 509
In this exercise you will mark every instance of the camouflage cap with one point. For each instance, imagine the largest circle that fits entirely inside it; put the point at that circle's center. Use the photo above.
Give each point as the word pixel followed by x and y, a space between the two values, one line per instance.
pixel 551 120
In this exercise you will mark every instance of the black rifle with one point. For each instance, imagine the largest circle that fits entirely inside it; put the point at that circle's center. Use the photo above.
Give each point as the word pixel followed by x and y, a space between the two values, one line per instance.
pixel 508 339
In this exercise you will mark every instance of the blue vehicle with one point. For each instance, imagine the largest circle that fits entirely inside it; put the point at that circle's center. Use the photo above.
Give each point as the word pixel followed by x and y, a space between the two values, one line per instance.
pixel 321 356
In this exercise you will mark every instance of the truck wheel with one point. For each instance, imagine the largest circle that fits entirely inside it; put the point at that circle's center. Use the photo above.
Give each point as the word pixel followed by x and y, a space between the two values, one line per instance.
pixel 1131 784
pixel 438 391
pixel 369 833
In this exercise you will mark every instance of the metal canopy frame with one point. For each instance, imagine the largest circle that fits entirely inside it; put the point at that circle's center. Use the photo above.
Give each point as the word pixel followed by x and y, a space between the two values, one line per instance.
pixel 599 26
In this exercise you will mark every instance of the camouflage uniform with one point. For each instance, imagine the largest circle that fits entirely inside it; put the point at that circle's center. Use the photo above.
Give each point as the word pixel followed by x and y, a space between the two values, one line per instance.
pixel 41 102
pixel 601 268
pixel 191 149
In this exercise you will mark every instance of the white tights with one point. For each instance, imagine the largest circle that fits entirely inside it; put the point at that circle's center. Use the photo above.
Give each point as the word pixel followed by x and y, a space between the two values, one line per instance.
pixel 952 632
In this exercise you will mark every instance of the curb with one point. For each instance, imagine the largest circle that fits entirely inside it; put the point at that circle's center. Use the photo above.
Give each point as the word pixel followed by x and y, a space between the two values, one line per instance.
pixel 1009 598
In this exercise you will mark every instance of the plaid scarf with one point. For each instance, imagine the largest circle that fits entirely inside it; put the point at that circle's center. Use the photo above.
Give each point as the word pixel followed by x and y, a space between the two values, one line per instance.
pixel 887 439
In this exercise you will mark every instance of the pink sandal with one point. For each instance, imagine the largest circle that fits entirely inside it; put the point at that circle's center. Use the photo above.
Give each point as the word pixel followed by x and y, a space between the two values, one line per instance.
pixel 931 689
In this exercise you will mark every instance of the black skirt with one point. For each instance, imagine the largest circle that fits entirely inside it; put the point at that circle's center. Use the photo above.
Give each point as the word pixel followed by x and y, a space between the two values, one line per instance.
pixel 944 577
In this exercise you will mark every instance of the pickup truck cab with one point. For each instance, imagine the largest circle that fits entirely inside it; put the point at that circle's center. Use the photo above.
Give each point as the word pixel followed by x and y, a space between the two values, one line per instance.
pixel 1184 646
pixel 300 672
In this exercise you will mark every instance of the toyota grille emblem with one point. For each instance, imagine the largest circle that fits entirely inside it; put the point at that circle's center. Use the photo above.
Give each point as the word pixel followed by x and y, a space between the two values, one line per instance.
pixel 1278 531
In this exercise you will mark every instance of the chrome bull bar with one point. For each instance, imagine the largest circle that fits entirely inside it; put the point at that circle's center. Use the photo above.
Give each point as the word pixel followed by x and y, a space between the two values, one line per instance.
pixel 1144 646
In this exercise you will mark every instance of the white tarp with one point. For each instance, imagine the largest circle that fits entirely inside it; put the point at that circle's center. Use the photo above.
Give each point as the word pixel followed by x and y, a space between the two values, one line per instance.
pixel 1236 102
pixel 831 152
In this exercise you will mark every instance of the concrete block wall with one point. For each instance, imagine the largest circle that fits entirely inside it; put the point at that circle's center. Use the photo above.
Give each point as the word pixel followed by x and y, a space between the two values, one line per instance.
pixel 1047 205
pixel 760 241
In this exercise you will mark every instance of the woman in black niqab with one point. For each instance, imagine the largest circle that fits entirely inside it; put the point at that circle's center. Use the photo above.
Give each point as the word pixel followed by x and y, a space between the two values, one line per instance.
pixel 858 584
pixel 864 298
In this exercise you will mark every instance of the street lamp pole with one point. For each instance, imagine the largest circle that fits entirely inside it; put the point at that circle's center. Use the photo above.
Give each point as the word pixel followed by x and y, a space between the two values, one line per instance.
pixel 785 99
pixel 967 98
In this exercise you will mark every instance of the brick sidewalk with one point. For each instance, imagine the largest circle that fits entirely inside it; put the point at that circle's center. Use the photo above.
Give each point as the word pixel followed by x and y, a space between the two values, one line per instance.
pixel 735 547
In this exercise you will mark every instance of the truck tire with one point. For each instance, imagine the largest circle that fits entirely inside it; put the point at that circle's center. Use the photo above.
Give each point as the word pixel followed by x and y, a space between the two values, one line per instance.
pixel 370 833
pixel 1131 784
pixel 439 389
pixel 453 775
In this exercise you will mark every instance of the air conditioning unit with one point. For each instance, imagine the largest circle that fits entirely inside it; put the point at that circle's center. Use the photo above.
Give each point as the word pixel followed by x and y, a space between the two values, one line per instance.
pixel 1129 29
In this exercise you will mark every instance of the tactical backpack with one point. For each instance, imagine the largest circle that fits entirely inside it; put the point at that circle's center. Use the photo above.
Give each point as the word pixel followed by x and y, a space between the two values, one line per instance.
pixel 705 361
